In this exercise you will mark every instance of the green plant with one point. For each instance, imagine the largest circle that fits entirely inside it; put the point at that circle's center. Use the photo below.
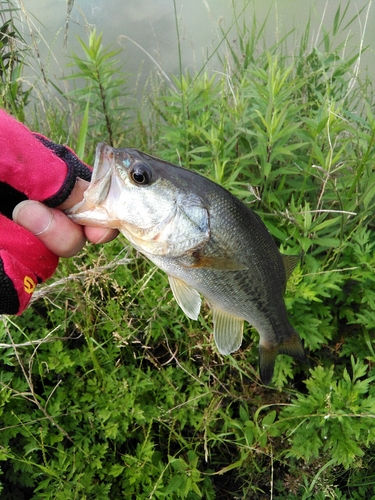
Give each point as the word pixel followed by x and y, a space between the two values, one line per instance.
pixel 338 416
pixel 13 95
pixel 103 98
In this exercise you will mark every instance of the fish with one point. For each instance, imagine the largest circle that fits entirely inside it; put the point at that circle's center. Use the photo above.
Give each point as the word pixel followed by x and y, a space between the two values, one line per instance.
pixel 207 241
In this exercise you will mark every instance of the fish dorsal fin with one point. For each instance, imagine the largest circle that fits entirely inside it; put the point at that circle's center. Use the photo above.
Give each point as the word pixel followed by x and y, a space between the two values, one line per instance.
pixel 290 262
pixel 228 331
pixel 186 297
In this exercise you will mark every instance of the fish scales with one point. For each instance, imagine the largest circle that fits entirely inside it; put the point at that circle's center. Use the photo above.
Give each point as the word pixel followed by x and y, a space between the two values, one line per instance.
pixel 208 242
pixel 237 233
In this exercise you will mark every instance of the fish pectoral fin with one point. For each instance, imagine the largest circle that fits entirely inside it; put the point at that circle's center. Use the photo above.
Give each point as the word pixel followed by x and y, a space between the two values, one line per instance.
pixel 186 297
pixel 218 263
pixel 228 331
pixel 268 352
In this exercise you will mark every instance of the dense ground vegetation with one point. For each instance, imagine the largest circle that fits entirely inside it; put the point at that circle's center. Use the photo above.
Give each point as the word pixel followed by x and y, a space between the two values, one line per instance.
pixel 107 391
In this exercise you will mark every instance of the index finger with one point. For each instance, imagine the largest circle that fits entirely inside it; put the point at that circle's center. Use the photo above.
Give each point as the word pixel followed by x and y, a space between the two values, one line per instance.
pixel 76 195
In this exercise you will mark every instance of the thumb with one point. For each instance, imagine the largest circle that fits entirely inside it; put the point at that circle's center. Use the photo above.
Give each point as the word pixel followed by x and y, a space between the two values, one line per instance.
pixel 58 233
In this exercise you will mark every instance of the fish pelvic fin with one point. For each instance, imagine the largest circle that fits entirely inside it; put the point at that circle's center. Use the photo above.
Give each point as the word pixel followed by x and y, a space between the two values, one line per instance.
pixel 186 297
pixel 268 352
pixel 228 331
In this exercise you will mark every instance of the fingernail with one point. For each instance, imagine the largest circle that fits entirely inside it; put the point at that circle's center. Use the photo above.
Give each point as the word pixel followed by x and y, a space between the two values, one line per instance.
pixel 103 238
pixel 34 216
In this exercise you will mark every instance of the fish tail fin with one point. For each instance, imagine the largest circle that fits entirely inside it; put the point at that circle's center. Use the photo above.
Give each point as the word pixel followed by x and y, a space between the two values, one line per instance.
pixel 267 358
pixel 268 352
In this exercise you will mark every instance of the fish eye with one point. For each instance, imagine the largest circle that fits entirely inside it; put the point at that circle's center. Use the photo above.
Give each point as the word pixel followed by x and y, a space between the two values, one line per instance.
pixel 141 174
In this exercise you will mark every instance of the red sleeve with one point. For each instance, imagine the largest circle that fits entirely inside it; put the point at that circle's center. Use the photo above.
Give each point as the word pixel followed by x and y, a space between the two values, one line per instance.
pixel 24 262
pixel 26 164
pixel 31 167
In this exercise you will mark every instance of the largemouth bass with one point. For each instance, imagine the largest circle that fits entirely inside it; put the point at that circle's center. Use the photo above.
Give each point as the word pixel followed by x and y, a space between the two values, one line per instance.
pixel 207 241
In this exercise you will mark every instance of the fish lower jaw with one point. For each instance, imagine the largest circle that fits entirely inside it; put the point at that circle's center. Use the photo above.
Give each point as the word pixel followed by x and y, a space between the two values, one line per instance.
pixel 88 220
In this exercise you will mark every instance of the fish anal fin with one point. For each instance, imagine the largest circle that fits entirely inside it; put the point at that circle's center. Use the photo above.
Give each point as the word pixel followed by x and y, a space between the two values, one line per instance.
pixel 290 262
pixel 186 297
pixel 228 331
pixel 268 352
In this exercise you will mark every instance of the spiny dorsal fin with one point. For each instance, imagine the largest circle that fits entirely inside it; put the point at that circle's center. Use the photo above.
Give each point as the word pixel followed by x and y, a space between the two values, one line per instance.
pixel 186 297
pixel 290 262
pixel 228 331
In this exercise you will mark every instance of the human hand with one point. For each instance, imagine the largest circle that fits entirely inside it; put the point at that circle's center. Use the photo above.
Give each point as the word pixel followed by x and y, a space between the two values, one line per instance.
pixel 55 230
pixel 38 179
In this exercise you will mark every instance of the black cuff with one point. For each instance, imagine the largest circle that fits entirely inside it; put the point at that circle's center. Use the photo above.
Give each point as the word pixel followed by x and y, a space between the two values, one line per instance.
pixel 9 198
pixel 76 168
pixel 9 302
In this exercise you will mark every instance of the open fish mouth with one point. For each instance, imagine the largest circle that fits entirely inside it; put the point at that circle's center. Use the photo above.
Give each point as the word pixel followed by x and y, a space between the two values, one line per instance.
pixel 101 175
pixel 97 195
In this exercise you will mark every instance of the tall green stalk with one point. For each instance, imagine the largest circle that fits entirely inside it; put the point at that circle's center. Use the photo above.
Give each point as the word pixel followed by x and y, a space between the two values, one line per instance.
pixel 104 85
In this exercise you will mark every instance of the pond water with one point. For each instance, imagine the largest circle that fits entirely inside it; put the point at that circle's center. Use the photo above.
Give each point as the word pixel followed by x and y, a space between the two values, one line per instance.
pixel 146 29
